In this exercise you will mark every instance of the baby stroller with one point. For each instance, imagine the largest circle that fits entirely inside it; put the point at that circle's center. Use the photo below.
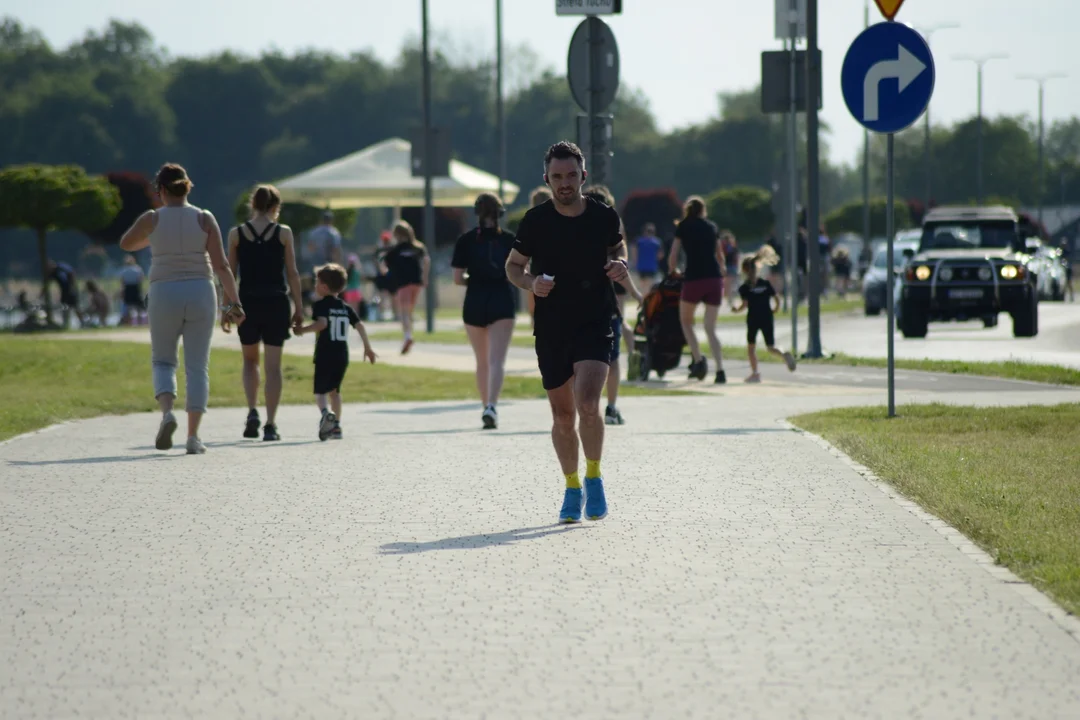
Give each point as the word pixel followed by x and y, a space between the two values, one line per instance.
pixel 658 334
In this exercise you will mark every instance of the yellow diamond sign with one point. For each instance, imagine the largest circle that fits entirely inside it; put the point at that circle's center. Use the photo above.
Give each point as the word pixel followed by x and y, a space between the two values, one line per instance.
pixel 889 8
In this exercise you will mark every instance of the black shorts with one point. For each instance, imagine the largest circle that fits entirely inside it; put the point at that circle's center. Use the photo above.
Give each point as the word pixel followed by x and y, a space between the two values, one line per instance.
pixel 329 375
pixel 266 320
pixel 557 352
pixel 69 298
pixel 485 304
pixel 134 298
pixel 765 326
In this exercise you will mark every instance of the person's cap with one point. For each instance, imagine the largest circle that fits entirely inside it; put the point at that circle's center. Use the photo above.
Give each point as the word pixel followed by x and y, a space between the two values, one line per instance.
pixel 328 215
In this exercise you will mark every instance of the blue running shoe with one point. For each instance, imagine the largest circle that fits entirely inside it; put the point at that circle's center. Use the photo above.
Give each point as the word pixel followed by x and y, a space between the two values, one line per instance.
pixel 595 502
pixel 571 507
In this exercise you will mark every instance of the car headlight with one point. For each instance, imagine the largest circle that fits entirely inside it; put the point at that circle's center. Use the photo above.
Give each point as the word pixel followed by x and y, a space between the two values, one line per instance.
pixel 1010 272
pixel 946 274
pixel 986 273
pixel 922 272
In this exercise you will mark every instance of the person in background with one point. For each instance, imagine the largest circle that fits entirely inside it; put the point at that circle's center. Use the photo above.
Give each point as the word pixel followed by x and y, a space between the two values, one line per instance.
pixel 134 297
pixel 645 255
pixel 619 326
pixel 825 248
pixel 64 276
pixel 479 265
pixel 731 261
pixel 776 272
pixel 384 284
pixel 1068 259
pixel 186 252
pixel 98 307
pixel 409 266
pixel 538 196
pixel 324 242
pixel 841 263
pixel 354 292
pixel 703 283
pixel 761 302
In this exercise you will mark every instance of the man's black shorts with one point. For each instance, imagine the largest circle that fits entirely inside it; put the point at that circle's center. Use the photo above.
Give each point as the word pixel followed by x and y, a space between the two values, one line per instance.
pixel 329 375
pixel 559 350
pixel 765 326
pixel 266 320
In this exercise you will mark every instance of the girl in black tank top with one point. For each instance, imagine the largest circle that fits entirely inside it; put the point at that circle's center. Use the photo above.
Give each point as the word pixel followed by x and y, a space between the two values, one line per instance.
pixel 262 261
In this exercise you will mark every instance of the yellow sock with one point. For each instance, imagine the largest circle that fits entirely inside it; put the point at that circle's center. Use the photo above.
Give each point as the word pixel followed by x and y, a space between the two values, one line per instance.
pixel 592 468
pixel 573 481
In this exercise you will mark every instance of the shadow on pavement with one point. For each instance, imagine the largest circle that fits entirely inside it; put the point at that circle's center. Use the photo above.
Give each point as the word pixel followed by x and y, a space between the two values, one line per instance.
pixel 91 460
pixel 728 431
pixel 469 431
pixel 474 542
pixel 435 410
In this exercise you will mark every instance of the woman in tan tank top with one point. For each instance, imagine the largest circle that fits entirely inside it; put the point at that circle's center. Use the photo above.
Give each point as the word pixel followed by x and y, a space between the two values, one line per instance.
pixel 186 250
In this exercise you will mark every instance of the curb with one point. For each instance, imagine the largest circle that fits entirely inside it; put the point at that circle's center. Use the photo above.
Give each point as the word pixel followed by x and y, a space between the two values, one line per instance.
pixel 1034 597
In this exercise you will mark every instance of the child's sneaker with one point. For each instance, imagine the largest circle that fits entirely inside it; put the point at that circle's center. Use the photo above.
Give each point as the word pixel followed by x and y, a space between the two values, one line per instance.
pixel 326 425
pixel 754 378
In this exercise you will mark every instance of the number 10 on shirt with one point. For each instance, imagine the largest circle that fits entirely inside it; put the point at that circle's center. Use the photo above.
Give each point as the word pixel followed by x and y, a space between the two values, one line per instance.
pixel 339 328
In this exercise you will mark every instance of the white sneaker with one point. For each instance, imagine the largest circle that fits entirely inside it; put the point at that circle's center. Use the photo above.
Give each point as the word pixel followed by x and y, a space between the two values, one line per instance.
pixel 163 441
pixel 490 418
pixel 195 446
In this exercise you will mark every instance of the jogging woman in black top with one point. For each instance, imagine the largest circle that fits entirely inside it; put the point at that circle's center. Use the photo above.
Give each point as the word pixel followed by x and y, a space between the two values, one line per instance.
pixel 480 265
pixel 263 254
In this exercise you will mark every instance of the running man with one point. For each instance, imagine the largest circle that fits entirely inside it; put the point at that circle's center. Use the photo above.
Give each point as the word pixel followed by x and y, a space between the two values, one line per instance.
pixel 576 251
pixel 262 252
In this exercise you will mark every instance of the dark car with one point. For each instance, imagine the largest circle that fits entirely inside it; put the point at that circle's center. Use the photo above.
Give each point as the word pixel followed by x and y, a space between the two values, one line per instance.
pixel 971 264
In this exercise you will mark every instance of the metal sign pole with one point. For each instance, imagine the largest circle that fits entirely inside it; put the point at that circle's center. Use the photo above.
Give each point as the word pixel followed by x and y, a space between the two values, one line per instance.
pixel 591 92
pixel 793 185
pixel 813 190
pixel 890 280
pixel 429 209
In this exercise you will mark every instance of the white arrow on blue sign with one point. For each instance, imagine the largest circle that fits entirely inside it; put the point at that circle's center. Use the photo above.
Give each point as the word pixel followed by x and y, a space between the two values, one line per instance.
pixel 887 77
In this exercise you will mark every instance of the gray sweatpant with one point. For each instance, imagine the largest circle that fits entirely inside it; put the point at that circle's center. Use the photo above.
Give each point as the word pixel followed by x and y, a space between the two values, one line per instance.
pixel 187 309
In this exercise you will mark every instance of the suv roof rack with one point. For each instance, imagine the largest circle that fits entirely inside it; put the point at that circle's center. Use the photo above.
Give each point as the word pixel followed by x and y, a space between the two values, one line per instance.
pixel 968 214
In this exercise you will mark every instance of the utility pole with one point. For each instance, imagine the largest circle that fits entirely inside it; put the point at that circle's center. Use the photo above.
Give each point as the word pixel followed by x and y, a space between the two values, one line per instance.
pixel 980 61
pixel 927 32
pixel 500 118
pixel 866 163
pixel 429 208
pixel 813 249
pixel 1041 80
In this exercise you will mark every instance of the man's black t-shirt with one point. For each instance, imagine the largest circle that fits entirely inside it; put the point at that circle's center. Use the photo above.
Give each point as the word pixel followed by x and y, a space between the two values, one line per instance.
pixel 482 253
pixel 332 344
pixel 757 298
pixel 699 238
pixel 574 251
pixel 405 263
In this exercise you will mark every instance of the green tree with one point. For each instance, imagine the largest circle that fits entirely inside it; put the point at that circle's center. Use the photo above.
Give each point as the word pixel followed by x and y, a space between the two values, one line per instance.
pixel 744 210
pixel 849 217
pixel 43 198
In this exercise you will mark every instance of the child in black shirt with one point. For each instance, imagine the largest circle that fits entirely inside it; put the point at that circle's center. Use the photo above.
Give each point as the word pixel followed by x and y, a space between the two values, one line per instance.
pixel 332 320
pixel 759 298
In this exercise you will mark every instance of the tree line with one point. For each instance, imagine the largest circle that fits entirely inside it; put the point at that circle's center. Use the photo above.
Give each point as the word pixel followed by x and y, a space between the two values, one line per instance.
pixel 116 102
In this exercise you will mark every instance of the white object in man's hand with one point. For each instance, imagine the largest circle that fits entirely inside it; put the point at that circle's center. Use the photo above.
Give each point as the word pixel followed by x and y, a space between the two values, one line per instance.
pixel 543 285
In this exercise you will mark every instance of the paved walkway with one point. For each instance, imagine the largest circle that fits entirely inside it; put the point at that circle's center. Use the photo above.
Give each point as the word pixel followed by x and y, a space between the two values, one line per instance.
pixel 412 570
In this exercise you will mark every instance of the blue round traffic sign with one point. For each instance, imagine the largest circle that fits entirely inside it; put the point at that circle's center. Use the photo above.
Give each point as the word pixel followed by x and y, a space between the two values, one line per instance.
pixel 887 77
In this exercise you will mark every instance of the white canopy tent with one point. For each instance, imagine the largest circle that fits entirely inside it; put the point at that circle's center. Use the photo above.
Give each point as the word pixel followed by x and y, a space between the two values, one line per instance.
pixel 381 176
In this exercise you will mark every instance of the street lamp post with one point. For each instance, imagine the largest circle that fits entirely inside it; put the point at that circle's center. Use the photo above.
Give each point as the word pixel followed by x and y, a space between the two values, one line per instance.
pixel 429 208
pixel 928 32
pixel 1041 80
pixel 500 118
pixel 980 61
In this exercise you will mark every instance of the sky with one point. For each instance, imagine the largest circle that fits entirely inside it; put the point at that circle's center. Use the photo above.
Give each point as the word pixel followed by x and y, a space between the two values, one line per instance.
pixel 680 53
